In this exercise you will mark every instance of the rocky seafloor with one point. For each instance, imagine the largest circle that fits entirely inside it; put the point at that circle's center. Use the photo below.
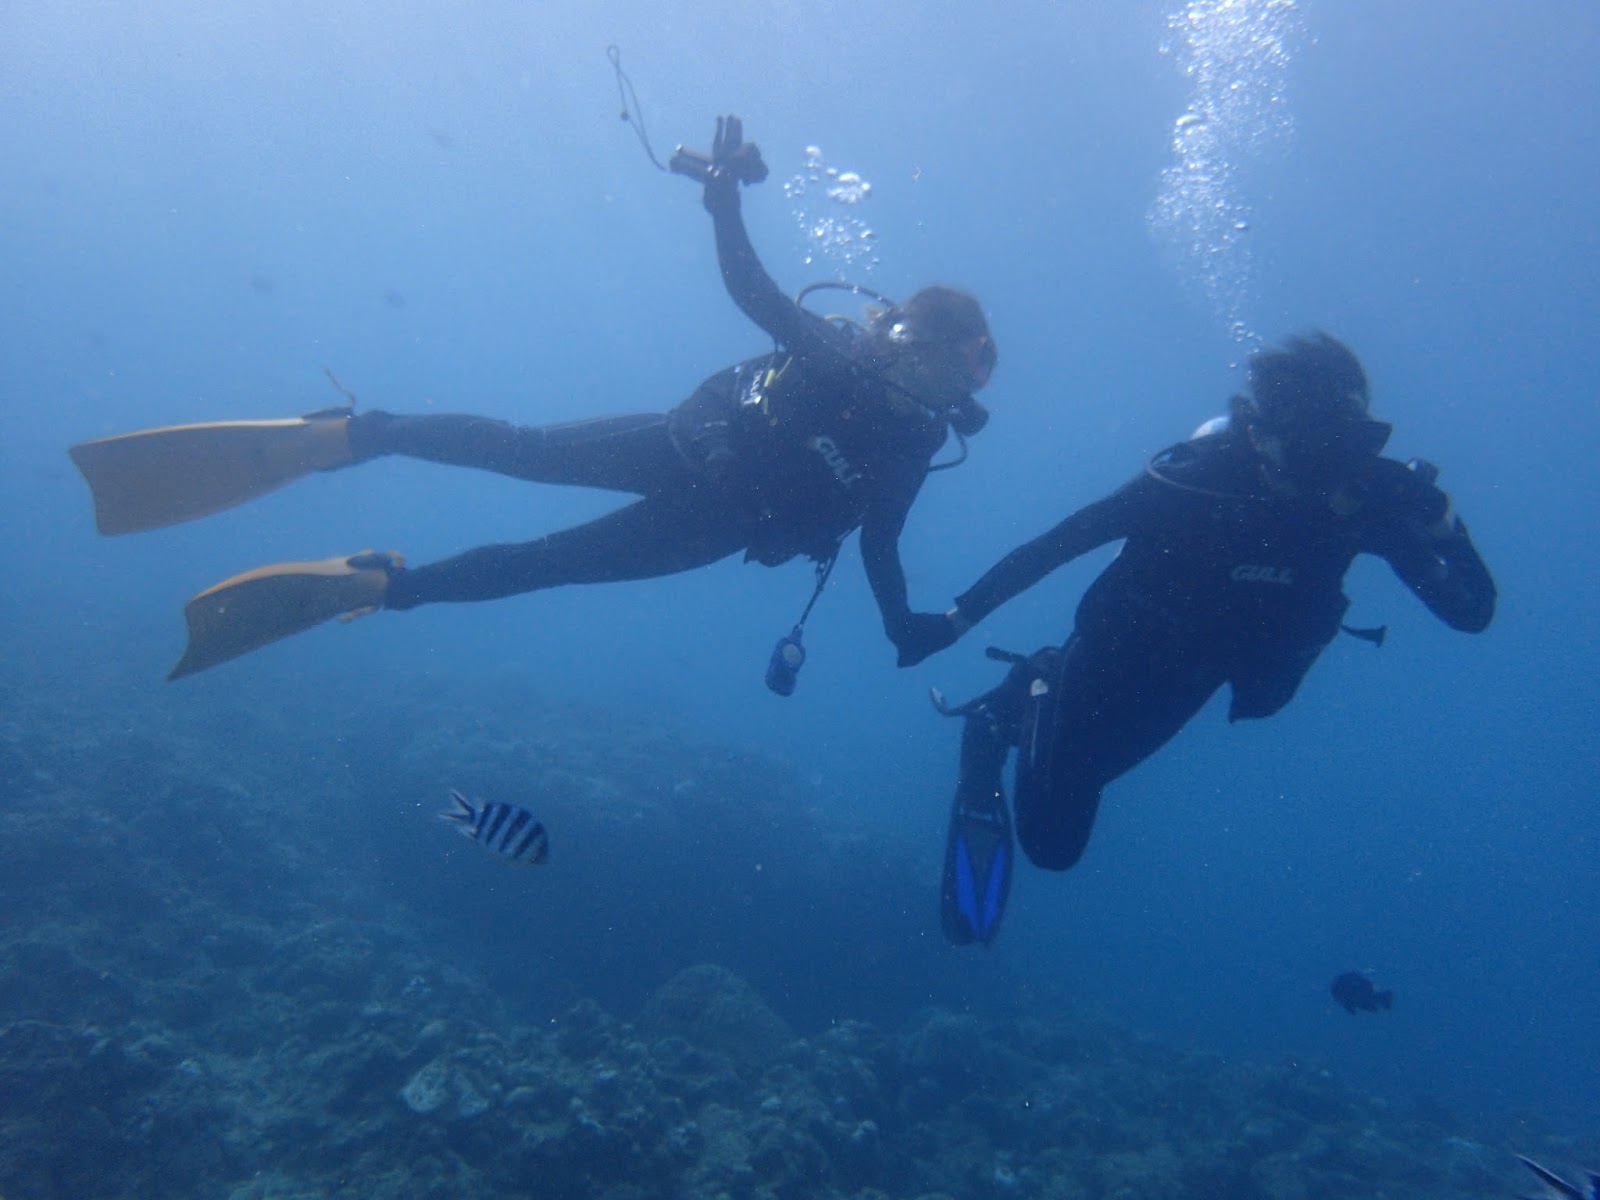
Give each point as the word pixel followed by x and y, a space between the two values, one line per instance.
pixel 222 976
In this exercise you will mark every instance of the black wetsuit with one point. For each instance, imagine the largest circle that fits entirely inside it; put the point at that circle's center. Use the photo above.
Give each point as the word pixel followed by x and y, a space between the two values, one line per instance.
pixel 1220 579
pixel 779 456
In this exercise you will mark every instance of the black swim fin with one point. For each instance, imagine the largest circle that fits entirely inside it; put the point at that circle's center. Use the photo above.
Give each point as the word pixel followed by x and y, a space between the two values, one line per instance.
pixel 977 869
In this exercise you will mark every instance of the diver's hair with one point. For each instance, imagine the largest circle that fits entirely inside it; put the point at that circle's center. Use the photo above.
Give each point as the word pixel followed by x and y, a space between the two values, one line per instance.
pixel 945 314
pixel 1310 379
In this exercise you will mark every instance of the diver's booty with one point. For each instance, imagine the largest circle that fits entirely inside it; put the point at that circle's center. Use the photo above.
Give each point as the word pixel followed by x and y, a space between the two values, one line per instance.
pixel 160 477
pixel 261 606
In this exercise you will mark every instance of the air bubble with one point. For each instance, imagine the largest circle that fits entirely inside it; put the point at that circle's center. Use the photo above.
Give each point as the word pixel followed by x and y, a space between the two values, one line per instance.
pixel 1236 53
pixel 824 213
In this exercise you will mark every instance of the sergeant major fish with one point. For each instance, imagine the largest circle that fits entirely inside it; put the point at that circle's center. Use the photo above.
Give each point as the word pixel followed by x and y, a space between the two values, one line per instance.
pixel 509 830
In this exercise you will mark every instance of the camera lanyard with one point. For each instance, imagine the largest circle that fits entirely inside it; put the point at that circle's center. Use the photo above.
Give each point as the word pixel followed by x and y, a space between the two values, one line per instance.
pixel 824 569
pixel 789 655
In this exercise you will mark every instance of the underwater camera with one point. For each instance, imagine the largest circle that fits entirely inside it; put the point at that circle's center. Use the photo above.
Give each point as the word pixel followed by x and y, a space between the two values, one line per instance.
pixel 783 668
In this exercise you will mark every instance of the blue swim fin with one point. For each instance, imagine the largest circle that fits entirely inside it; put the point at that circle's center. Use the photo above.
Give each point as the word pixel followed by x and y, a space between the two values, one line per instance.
pixel 977 869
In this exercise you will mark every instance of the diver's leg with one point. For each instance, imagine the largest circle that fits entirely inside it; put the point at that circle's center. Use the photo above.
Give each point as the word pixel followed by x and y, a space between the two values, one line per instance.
pixel 987 735
pixel 626 454
pixel 984 746
pixel 1117 701
pixel 1057 796
pixel 649 538
pixel 654 536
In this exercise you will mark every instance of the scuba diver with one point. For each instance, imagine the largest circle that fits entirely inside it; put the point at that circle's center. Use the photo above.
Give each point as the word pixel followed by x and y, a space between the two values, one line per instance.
pixel 778 456
pixel 1235 548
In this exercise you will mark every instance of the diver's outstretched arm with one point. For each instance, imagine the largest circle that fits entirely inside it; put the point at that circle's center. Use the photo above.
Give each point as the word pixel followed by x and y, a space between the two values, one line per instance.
pixel 734 161
pixel 1107 520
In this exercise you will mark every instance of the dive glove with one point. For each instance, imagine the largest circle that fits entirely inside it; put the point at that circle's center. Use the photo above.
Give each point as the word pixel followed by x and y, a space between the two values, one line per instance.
pixel 1411 488
pixel 924 634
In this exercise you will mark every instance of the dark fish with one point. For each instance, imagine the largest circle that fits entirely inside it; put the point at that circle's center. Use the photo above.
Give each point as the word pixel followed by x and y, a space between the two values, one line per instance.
pixel 512 832
pixel 1353 991
pixel 1559 1187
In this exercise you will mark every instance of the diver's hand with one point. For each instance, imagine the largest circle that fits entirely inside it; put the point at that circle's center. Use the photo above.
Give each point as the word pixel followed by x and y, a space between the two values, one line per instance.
pixel 732 160
pixel 924 634
pixel 732 155
pixel 1423 505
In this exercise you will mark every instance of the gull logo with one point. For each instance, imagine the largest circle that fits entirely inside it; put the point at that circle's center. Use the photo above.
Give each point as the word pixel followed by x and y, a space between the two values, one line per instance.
pixel 837 462
pixel 1256 573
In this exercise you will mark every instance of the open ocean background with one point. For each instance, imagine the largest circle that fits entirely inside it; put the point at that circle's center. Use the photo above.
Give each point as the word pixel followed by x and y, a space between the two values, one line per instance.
pixel 206 206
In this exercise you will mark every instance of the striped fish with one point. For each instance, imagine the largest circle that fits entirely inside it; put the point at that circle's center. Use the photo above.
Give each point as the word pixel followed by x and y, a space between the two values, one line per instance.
pixel 509 830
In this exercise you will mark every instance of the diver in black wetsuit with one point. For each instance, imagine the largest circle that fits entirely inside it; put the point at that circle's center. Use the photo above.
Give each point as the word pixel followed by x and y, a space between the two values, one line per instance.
pixel 778 456
pixel 1235 547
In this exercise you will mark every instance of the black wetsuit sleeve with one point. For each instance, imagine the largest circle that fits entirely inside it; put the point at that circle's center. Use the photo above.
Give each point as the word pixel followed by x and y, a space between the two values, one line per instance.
pixel 747 281
pixel 1107 520
pixel 1445 571
pixel 1412 527
pixel 880 554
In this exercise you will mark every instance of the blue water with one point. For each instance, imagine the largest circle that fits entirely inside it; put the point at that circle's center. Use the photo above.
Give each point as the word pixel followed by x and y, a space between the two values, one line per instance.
pixel 204 207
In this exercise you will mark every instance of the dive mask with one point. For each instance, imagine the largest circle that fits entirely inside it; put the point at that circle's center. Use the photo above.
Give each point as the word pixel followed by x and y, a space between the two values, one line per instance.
pixel 1324 452
pixel 939 373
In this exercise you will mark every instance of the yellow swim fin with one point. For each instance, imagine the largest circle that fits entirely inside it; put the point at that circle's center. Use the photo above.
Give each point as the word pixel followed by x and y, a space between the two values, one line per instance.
pixel 160 477
pixel 261 606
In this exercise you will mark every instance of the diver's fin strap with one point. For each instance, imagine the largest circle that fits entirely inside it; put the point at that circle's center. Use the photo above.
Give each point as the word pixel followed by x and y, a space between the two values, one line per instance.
pixel 946 709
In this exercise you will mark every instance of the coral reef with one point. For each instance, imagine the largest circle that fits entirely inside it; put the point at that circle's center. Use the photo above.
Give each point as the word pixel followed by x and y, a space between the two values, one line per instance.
pixel 219 978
